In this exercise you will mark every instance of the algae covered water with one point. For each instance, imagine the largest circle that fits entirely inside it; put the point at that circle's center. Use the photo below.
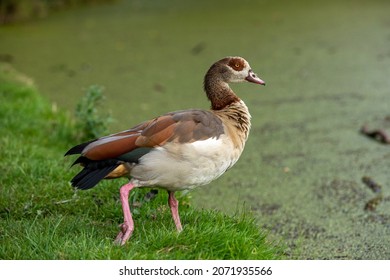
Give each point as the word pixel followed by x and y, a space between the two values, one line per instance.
pixel 327 69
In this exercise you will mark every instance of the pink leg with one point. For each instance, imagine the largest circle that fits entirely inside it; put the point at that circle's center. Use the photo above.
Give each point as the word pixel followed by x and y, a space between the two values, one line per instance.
pixel 128 225
pixel 174 205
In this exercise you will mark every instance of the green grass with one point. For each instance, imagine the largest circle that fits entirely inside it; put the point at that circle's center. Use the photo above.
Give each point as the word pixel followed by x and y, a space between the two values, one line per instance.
pixel 42 217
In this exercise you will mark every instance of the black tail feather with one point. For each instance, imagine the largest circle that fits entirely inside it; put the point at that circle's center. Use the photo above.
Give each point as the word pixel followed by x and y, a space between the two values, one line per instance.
pixel 78 149
pixel 80 176
pixel 90 176
pixel 81 160
pixel 93 171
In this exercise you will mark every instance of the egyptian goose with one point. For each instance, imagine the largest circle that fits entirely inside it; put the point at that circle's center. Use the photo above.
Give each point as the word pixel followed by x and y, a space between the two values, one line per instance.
pixel 176 151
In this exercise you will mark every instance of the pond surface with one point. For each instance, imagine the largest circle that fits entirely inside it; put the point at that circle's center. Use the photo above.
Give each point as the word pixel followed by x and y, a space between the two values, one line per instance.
pixel 327 68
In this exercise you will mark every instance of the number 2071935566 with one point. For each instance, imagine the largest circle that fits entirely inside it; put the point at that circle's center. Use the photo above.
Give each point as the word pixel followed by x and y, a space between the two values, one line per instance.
pixel 241 270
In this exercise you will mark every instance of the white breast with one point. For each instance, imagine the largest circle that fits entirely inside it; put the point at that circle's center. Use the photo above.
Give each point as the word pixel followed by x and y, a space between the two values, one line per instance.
pixel 184 166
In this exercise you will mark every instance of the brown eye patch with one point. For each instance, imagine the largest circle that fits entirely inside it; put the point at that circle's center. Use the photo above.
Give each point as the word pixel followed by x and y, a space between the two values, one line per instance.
pixel 237 64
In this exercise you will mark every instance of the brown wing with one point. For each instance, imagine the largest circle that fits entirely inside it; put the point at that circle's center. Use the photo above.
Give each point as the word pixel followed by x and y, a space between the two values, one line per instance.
pixel 181 127
pixel 113 145
pixel 104 157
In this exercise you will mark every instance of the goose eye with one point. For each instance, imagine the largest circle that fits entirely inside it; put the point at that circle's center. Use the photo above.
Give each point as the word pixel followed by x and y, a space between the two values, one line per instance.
pixel 236 64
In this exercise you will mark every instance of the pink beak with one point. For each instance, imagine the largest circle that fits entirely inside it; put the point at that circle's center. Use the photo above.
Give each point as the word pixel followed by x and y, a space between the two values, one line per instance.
pixel 252 77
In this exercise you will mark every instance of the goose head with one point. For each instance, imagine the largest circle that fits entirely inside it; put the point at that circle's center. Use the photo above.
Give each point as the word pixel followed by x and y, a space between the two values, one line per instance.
pixel 233 69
